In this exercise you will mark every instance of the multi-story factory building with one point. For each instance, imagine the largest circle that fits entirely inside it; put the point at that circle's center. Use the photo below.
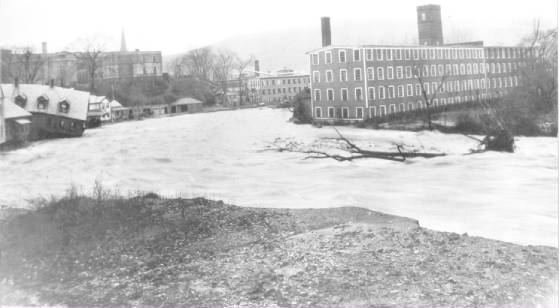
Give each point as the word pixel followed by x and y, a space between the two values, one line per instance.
pixel 282 87
pixel 358 82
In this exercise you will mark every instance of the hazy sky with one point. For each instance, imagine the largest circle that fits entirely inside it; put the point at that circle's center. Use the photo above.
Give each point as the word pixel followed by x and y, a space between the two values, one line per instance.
pixel 174 26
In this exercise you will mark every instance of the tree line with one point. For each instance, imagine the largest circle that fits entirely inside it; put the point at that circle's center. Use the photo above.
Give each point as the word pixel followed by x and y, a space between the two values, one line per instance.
pixel 219 67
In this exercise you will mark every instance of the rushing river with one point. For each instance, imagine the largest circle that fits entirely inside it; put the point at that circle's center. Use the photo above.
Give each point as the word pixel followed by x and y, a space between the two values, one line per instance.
pixel 511 197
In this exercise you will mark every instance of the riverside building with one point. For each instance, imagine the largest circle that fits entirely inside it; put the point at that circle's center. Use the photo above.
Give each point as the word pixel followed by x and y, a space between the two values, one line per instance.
pixel 354 83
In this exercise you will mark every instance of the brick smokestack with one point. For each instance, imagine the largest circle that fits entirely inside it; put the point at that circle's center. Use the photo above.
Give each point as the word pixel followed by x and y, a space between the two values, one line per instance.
pixel 430 30
pixel 45 68
pixel 257 68
pixel 326 31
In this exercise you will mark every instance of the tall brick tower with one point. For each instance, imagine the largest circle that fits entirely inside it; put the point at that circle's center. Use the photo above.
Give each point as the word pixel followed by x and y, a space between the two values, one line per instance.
pixel 430 31
pixel 326 31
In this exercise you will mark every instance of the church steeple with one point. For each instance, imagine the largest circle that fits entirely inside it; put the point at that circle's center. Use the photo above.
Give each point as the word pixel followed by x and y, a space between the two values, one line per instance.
pixel 123 41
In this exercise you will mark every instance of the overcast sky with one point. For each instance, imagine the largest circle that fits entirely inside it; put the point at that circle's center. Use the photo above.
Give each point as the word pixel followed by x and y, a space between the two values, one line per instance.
pixel 174 26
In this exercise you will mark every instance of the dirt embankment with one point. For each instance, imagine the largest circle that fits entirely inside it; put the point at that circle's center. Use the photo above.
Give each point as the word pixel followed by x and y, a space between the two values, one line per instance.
pixel 178 253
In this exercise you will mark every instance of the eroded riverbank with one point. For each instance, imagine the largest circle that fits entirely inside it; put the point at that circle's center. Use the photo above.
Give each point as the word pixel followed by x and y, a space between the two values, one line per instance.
pixel 147 251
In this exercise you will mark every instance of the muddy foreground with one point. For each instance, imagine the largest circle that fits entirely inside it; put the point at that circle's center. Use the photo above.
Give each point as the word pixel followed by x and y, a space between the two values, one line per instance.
pixel 146 251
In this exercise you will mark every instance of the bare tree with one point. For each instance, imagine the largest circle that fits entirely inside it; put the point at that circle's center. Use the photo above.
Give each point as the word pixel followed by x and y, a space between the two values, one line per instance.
pixel 88 53
pixel 420 71
pixel 199 62
pixel 177 66
pixel 24 65
pixel 540 73
pixel 223 68
pixel 240 66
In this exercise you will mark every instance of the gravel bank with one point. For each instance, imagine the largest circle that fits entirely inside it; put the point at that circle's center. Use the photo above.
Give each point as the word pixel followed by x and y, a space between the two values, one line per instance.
pixel 196 252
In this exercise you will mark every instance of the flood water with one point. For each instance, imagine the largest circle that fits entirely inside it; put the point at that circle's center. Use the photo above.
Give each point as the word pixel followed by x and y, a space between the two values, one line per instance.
pixel 510 197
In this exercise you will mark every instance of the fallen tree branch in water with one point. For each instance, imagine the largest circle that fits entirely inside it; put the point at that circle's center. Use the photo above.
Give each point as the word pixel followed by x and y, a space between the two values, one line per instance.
pixel 354 151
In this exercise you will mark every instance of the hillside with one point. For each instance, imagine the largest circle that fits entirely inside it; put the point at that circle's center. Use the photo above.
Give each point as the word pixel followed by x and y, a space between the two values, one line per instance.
pixel 286 48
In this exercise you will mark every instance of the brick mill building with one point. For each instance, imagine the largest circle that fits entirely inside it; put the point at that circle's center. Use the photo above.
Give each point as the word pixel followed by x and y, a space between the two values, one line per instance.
pixel 282 87
pixel 265 88
pixel 354 83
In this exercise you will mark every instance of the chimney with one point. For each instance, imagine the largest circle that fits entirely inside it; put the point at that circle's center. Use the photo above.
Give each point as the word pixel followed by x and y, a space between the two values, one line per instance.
pixel 16 82
pixel 123 41
pixel 257 68
pixel 326 31
pixel 52 83
pixel 45 68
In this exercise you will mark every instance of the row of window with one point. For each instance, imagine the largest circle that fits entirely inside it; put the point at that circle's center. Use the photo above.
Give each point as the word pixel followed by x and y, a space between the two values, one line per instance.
pixel 42 103
pixel 278 99
pixel 407 72
pixel 64 124
pixel 383 110
pixel 417 89
pixel 281 90
pixel 274 82
pixel 507 53
pixel 390 54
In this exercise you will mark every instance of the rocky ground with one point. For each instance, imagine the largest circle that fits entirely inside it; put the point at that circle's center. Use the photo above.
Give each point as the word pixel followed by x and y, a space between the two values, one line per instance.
pixel 147 251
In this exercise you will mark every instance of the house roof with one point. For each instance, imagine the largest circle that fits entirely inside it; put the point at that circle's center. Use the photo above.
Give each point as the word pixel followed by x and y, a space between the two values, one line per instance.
pixel 78 100
pixel 96 99
pixel 295 75
pixel 186 101
pixel 115 104
pixel 11 110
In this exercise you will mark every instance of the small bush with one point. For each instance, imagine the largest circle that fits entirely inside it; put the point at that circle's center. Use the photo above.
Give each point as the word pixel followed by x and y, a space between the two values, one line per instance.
pixel 302 107
pixel 472 123
pixel 170 98
pixel 502 142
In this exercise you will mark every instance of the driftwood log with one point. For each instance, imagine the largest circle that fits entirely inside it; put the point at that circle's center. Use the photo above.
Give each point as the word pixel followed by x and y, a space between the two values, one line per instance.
pixel 348 146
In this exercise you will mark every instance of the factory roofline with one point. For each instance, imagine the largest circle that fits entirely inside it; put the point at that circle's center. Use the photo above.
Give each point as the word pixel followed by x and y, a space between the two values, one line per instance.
pixel 285 76
pixel 475 44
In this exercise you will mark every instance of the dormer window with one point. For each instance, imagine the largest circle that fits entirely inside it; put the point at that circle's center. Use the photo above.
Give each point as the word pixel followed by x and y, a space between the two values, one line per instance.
pixel 21 100
pixel 42 102
pixel 63 106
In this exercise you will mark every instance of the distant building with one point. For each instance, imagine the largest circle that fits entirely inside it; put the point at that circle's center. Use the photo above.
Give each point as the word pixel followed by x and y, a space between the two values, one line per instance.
pixel 119 112
pixel 65 69
pixel 256 87
pixel 281 87
pixel 134 64
pixel 235 93
pixel 186 105
pixel 99 110
pixel 358 82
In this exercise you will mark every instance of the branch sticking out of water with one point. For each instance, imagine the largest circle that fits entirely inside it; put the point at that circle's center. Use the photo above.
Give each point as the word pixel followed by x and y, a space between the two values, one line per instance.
pixel 352 150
